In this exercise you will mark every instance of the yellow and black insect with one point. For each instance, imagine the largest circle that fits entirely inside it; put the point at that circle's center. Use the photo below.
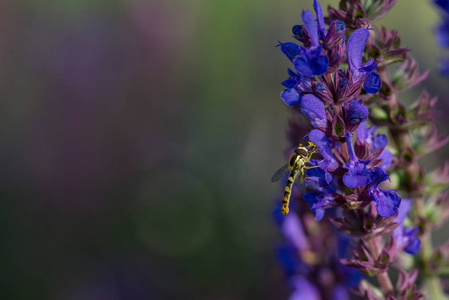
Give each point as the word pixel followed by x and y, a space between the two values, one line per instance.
pixel 297 167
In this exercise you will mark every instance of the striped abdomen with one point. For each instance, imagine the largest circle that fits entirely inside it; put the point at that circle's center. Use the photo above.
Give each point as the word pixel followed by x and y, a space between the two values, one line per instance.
pixel 288 190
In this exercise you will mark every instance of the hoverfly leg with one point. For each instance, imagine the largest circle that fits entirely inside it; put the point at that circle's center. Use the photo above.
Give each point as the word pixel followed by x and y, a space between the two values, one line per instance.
pixel 311 167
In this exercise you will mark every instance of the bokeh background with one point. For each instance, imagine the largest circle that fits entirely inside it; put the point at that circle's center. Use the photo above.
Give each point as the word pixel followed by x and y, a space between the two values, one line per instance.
pixel 138 139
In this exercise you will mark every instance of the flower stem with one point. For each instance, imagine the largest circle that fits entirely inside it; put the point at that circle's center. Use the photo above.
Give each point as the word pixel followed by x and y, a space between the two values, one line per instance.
pixel 383 278
pixel 432 282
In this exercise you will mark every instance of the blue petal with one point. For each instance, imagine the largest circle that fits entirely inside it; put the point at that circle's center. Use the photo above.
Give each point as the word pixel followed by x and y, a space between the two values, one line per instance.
pixel 372 83
pixel 404 208
pixel 387 157
pixel 328 177
pixel 304 84
pixel 311 64
pixel 414 245
pixel 387 202
pixel 290 49
pixel 293 231
pixel 289 83
pixel 379 175
pixel 320 87
pixel 319 18
pixel 313 108
pixel 324 145
pixel 362 132
pixel 357 113
pixel 290 260
pixel 354 48
pixel 369 66
pixel 442 34
pixel 291 97
pixel 343 82
pixel 379 141
pixel 309 21
pixel 358 174
pixel 304 290
pixel 319 214
pixel 351 152
pixel 340 26
pixel 297 31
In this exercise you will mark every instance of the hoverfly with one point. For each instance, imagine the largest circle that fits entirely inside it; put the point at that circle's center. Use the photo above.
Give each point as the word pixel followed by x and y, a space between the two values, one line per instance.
pixel 297 167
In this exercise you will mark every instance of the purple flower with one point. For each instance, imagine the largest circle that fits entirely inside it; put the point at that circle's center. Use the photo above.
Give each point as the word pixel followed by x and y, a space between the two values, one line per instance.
pixel 296 84
pixel 406 236
pixel 357 112
pixel 313 108
pixel 291 97
pixel 375 142
pixel 357 174
pixel 387 201
pixel 304 289
pixel 354 49
pixel 387 159
pixel 311 62
pixel 292 229
pixel 365 134
pixel 289 259
pixel 319 19
pixel 322 197
pixel 297 31
pixel 324 144
pixel 291 50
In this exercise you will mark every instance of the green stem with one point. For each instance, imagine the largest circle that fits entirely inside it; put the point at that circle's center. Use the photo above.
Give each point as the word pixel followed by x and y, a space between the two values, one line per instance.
pixel 383 278
pixel 431 281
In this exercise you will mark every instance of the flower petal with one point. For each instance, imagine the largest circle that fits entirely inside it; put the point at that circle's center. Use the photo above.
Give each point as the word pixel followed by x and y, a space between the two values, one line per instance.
pixel 404 208
pixel 304 290
pixel 358 175
pixel 387 202
pixel 291 97
pixel 293 231
pixel 362 132
pixel 309 21
pixel 319 18
pixel 379 141
pixel 387 157
pixel 369 66
pixel 372 83
pixel 312 62
pixel 354 48
pixel 313 108
pixel 357 112
pixel 324 145
pixel 291 50
pixel 414 245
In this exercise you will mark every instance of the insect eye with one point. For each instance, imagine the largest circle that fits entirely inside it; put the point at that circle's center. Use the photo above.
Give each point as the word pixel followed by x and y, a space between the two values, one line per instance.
pixel 301 152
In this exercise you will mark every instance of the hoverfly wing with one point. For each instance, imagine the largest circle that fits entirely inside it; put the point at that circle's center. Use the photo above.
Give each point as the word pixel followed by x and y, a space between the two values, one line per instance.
pixel 278 175
pixel 300 186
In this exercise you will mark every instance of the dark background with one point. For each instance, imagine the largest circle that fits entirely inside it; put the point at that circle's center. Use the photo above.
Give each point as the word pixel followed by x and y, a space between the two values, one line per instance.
pixel 138 138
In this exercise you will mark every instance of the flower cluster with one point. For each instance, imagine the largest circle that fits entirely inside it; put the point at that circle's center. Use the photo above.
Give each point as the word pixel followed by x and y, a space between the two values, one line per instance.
pixel 344 77
pixel 327 96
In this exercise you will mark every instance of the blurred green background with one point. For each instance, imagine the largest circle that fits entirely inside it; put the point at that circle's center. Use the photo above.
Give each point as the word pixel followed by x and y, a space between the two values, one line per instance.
pixel 138 139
